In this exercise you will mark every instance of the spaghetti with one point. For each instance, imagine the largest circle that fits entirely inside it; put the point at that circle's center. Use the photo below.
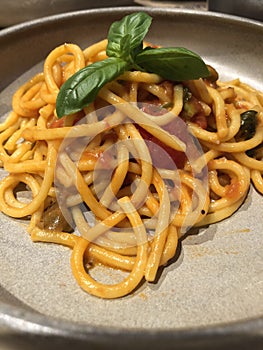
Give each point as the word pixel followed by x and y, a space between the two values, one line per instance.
pixel 149 158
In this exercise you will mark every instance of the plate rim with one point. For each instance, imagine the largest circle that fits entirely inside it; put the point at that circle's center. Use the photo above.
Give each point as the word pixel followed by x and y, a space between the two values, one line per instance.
pixel 12 29
pixel 27 322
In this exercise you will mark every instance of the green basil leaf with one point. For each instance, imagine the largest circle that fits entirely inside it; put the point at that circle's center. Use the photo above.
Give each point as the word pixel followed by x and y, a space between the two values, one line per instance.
pixel 125 51
pixel 173 63
pixel 82 87
pixel 125 37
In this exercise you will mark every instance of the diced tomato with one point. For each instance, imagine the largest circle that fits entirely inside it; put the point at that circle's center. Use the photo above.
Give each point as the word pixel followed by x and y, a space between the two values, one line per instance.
pixel 65 121
pixel 169 88
pixel 153 109
pixel 200 120
pixel 162 155
pixel 57 123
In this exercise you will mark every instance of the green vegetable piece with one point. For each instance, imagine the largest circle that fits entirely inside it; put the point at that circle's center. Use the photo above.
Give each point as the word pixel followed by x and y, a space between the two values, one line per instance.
pixel 186 94
pixel 190 109
pixel 82 88
pixel 125 37
pixel 248 125
pixel 173 63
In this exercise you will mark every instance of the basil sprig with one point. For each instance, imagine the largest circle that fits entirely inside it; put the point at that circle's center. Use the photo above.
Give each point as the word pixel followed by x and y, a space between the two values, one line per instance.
pixel 125 37
pixel 125 52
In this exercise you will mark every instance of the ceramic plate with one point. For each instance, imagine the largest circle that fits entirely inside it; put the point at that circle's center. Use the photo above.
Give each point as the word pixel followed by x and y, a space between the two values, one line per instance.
pixel 211 293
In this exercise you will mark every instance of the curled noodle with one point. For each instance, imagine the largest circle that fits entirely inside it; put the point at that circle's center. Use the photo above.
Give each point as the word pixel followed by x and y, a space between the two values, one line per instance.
pixel 141 206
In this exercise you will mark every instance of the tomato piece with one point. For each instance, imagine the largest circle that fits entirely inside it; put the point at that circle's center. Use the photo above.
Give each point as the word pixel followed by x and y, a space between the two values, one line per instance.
pixel 163 156
pixel 200 120
pixel 57 123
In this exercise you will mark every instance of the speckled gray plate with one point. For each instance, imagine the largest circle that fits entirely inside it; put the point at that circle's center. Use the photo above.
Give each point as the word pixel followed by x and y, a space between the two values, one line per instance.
pixel 210 296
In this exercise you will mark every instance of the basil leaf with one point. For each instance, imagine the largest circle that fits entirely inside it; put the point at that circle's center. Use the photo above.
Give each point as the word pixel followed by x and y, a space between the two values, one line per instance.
pixel 82 87
pixel 126 36
pixel 125 51
pixel 173 63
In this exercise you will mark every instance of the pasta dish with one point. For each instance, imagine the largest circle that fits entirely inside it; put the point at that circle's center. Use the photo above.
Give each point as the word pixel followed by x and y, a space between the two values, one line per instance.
pixel 120 180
